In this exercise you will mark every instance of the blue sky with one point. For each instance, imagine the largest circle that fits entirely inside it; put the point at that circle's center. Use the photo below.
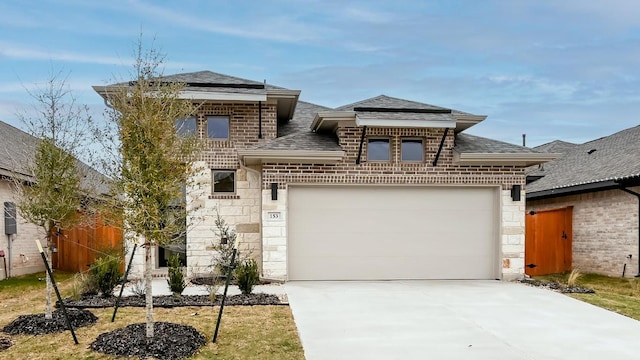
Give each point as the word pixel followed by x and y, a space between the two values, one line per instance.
pixel 565 70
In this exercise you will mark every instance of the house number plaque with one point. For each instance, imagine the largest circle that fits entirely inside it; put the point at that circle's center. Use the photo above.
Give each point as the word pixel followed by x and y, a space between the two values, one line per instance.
pixel 274 215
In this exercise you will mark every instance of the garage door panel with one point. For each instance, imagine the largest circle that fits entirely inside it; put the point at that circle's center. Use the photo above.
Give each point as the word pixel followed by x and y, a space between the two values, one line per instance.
pixel 366 233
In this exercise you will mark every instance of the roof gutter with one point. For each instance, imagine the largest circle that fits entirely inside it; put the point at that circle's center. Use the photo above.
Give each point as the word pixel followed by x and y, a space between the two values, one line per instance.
pixel 526 159
pixel 292 156
pixel 573 190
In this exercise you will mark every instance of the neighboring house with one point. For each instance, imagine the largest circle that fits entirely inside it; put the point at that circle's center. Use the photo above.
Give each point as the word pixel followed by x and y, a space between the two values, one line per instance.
pixel 595 187
pixel 384 188
pixel 20 250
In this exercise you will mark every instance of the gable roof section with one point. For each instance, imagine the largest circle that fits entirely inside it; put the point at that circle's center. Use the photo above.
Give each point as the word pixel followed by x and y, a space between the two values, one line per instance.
pixel 595 165
pixel 387 111
pixel 476 150
pixel 556 146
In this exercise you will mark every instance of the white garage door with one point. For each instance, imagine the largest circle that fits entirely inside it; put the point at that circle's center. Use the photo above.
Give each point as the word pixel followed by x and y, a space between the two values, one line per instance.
pixel 379 233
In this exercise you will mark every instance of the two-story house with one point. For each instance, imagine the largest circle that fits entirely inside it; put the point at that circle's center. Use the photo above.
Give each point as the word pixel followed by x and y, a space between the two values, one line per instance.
pixel 384 188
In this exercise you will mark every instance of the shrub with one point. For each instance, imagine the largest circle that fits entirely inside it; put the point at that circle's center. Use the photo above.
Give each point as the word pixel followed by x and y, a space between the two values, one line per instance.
pixel 106 274
pixel 247 275
pixel 83 285
pixel 176 275
pixel 572 280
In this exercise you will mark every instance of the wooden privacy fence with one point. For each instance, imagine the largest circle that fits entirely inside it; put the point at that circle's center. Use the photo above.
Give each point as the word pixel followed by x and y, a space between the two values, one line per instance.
pixel 78 247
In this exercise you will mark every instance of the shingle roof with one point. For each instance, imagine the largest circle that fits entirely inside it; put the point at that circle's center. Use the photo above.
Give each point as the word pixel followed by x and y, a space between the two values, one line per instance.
pixel 614 157
pixel 306 140
pixel 19 152
pixel 386 102
pixel 556 146
pixel 466 143
pixel 236 84
pixel 18 149
pixel 302 118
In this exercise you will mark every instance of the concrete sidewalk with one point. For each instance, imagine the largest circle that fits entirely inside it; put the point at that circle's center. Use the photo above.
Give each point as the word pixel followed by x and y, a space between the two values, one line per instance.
pixel 454 320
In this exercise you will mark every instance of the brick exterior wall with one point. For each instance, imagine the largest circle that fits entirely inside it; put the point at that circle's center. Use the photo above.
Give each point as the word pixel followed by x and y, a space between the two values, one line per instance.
pixel 605 229
pixel 393 172
pixel 250 210
pixel 25 258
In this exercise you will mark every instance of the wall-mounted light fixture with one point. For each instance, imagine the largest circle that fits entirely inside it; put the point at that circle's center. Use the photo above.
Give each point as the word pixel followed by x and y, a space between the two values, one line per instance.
pixel 515 192
pixel 274 191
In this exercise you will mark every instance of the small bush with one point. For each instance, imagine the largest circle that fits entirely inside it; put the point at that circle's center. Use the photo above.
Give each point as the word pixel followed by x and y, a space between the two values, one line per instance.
pixel 138 287
pixel 83 285
pixel 106 274
pixel 247 275
pixel 176 275
pixel 572 280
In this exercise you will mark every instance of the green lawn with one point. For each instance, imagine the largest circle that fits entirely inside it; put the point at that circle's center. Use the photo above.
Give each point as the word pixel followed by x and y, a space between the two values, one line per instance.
pixel 246 332
pixel 621 295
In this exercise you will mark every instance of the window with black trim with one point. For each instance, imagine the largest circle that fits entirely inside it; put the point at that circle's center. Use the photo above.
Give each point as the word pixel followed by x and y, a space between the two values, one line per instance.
pixel 224 181
pixel 378 150
pixel 218 127
pixel 412 150
pixel 186 127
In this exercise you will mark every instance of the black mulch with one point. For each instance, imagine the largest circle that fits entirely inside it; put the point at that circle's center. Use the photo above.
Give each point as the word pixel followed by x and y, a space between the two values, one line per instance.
pixel 558 287
pixel 5 343
pixel 170 341
pixel 36 324
pixel 169 301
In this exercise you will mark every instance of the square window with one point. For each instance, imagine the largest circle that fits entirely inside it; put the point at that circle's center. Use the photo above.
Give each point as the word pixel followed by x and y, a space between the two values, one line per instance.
pixel 186 127
pixel 218 127
pixel 378 150
pixel 224 181
pixel 412 150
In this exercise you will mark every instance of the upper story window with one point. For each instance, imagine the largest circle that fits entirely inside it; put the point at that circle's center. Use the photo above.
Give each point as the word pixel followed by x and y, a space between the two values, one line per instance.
pixel 412 150
pixel 218 127
pixel 224 181
pixel 186 127
pixel 378 150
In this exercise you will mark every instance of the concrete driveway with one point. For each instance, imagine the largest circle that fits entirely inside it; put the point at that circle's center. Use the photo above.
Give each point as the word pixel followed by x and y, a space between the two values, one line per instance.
pixel 454 320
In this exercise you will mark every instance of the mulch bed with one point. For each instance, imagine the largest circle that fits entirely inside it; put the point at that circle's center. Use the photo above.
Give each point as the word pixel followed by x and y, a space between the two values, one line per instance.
pixel 554 286
pixel 169 301
pixel 5 343
pixel 36 324
pixel 171 341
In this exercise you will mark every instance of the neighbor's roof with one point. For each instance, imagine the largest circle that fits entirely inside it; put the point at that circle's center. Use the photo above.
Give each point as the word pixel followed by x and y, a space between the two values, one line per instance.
pixel 18 150
pixel 556 146
pixel 597 163
pixel 18 155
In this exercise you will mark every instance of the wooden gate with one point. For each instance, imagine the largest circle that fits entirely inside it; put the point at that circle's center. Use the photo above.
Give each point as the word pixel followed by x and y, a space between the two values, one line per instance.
pixel 78 247
pixel 548 240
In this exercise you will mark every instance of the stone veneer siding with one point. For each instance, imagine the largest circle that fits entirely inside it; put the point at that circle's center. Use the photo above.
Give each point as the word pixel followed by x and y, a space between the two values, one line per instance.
pixel 605 229
pixel 25 258
pixel 242 210
pixel 392 172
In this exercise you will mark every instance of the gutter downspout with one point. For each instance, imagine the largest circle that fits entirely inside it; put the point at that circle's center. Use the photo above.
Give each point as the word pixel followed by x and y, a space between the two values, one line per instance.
pixel 259 119
pixel 444 136
pixel 638 196
pixel 364 133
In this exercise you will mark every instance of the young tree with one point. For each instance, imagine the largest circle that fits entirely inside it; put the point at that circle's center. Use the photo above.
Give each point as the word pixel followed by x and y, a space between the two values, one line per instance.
pixel 50 191
pixel 154 162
